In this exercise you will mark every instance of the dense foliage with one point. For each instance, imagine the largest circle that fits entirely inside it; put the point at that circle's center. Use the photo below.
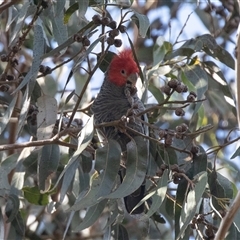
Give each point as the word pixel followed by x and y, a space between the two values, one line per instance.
pixel 59 178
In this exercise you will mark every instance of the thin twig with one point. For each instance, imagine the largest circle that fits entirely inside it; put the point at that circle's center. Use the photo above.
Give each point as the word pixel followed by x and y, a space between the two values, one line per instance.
pixel 54 139
pixel 217 148
pixel 181 31
pixel 158 106
pixel 7 5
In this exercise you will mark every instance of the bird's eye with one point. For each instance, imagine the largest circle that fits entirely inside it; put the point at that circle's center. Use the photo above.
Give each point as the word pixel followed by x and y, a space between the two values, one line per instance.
pixel 123 72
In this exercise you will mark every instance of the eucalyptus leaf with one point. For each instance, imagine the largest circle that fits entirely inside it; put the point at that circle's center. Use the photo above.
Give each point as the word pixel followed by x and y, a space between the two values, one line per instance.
pixel 199 79
pixel 7 114
pixel 2 229
pixel 26 10
pixel 67 179
pixel 48 161
pixel 12 207
pixel 24 110
pixel 136 166
pixel 120 232
pixel 156 92
pixel 33 195
pixel 237 153
pixel 103 183
pixel 190 207
pixel 46 118
pixel 92 215
pixel 160 194
pixel 84 138
pixel 73 8
pixel 38 50
pixel 59 28
pixel 142 22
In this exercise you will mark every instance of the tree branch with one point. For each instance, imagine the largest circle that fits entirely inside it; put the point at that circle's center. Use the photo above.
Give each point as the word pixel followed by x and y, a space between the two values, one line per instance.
pixel 228 219
pixel 8 4
pixel 52 140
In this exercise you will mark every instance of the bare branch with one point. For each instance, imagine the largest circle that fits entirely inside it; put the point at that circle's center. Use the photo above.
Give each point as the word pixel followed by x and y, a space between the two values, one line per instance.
pixel 8 4
pixel 52 140
pixel 228 219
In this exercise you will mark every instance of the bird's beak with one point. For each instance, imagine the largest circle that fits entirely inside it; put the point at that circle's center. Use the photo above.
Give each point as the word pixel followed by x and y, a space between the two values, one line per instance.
pixel 132 79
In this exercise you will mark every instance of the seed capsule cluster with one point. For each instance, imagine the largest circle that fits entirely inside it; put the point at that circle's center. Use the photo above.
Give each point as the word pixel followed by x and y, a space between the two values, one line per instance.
pixel 167 135
pixel 174 85
pixel 83 39
pixel 113 33
pixel 199 220
pixel 177 172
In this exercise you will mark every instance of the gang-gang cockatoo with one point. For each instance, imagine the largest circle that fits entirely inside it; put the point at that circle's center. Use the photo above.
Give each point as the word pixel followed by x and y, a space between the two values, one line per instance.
pixel 116 98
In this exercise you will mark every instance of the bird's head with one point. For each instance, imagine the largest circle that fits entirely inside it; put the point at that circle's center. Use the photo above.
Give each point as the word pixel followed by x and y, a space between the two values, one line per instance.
pixel 123 69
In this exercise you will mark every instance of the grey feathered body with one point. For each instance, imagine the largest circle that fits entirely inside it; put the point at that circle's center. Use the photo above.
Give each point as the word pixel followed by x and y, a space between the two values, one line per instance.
pixel 111 104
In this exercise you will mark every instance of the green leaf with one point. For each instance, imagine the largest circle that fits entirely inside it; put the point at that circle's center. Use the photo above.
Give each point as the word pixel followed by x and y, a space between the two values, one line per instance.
pixel 218 102
pixel 190 206
pixel 38 50
pixel 136 166
pixel 208 44
pixel 7 114
pixel 111 155
pixel 24 110
pixel 237 153
pixel 19 226
pixel 73 8
pixel 216 190
pixel 33 195
pixel 86 162
pixel 182 51
pixel 120 232
pixel 199 162
pixel 60 31
pixel 31 162
pixel 92 215
pixel 102 184
pixel 124 3
pixel 198 78
pixel 160 194
pixel 222 98
pixel 156 92
pixel 26 10
pixel 82 7
pixel 5 168
pixel 226 184
pixel 67 179
pixel 48 161
pixel 68 98
pixel 36 93
pixel 142 23
pixel 211 47
pixel 217 77
pixel 2 228
pixel 84 138
pixel 106 61
pixel 46 118
pixel 160 49
pixel 12 207
pixel 114 213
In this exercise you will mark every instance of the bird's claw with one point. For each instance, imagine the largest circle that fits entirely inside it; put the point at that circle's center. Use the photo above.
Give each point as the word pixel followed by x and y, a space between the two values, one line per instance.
pixel 124 119
pixel 122 123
